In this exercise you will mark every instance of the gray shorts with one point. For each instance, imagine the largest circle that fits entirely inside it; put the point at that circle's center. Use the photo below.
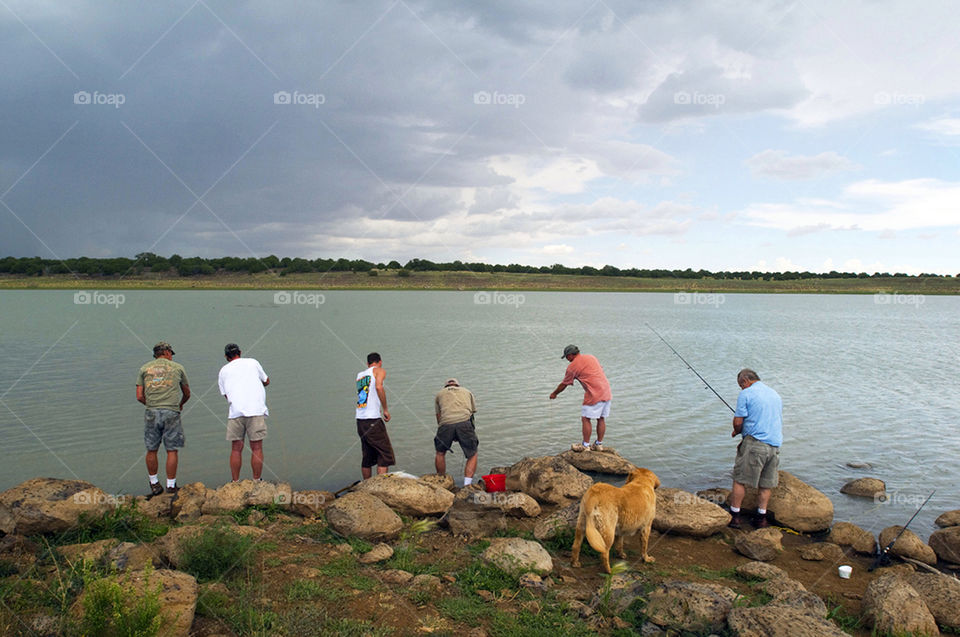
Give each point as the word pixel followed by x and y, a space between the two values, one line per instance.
pixel 163 424
pixel 253 427
pixel 756 464
pixel 463 432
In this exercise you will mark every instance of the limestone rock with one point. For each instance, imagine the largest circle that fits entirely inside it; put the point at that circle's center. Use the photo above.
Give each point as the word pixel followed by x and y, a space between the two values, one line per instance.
pixel 909 545
pixel 89 551
pixel 847 534
pixel 467 519
pixel 717 495
pixel 556 522
pixel 425 581
pixel 801 599
pixel 188 505
pixel 128 556
pixel 866 488
pixel 780 621
pixel 782 586
pixel 941 594
pixel 946 544
pixel 516 555
pixel 396 576
pixel 408 496
pixel 363 515
pixel 796 504
pixel 442 480
pixel 512 503
pixel 310 503
pixel 532 581
pixel 760 571
pixel 234 496
pixel 178 593
pixel 156 507
pixel 689 606
pixel 606 461
pixel 821 551
pixel 378 553
pixel 950 518
pixel 50 505
pixel 682 513
pixel 762 544
pixel 892 606
pixel 549 479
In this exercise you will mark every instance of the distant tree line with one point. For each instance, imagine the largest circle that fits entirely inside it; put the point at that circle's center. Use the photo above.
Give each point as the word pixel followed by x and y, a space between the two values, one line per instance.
pixel 147 262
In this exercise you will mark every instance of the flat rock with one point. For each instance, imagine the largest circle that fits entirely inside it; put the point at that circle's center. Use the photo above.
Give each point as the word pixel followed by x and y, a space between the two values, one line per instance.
pixel 50 505
pixel 821 551
pixel 941 594
pixel 908 545
pixel 950 518
pixel 760 571
pixel 378 553
pixel 89 551
pixel 408 496
pixel 847 534
pixel 425 581
pixel 946 544
pixel 717 495
pixel 795 504
pixel 690 606
pixel 859 465
pixel 310 503
pixel 683 513
pixel 557 522
pixel 188 505
pixel 548 479
pixel 442 480
pixel 782 586
pixel 866 488
pixel 606 461
pixel 532 581
pixel 466 519
pixel 780 621
pixel 363 515
pixel 234 496
pixel 762 544
pixel 512 503
pixel 892 606
pixel 801 599
pixel 396 576
pixel 516 555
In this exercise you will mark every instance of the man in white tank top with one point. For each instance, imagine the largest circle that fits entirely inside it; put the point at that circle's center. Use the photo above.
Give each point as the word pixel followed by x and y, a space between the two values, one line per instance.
pixel 371 427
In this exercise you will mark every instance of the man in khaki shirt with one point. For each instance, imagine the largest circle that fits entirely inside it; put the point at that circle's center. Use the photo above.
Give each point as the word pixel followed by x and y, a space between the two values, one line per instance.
pixel 455 408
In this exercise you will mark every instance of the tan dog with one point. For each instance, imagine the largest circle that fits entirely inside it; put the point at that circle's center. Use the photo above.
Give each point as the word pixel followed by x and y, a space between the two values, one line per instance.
pixel 608 512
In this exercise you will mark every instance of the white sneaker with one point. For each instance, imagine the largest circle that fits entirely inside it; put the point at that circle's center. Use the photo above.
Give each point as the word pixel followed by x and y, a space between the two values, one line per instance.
pixel 597 446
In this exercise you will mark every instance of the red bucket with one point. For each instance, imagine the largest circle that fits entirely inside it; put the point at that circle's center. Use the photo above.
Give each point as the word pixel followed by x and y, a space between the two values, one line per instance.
pixel 495 482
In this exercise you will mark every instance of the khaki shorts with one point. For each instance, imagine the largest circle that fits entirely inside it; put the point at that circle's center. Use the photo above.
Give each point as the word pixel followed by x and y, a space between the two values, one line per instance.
pixel 253 427
pixel 756 464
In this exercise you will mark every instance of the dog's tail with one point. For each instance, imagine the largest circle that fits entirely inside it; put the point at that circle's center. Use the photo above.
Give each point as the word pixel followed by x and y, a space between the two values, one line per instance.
pixel 598 536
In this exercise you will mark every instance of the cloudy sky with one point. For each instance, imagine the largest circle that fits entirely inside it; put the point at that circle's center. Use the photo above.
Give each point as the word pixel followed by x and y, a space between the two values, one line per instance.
pixel 755 135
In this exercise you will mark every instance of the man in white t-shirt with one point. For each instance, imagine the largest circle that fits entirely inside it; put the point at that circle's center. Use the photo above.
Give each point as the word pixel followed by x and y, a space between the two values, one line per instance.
pixel 242 382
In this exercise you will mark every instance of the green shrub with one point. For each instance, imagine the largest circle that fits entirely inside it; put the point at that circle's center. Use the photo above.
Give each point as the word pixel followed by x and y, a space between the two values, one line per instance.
pixel 403 273
pixel 125 523
pixel 216 553
pixel 114 610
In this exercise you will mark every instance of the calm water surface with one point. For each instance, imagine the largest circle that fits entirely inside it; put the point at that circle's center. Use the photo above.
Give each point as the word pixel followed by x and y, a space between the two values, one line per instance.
pixel 861 381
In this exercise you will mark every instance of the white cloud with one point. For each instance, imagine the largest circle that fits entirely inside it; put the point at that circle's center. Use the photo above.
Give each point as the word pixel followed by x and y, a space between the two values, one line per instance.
pixel 780 165
pixel 945 126
pixel 556 250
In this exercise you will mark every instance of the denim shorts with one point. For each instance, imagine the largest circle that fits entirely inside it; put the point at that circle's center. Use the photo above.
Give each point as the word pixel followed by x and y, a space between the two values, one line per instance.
pixel 163 424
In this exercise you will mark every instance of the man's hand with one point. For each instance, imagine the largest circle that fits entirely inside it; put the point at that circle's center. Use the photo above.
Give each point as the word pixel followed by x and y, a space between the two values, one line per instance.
pixel 553 395
pixel 386 416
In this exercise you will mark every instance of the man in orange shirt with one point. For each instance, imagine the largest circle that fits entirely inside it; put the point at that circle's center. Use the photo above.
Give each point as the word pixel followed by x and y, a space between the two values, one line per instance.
pixel 596 394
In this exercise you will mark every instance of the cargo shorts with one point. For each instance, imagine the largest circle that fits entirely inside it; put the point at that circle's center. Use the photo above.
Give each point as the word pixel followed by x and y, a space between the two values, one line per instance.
pixel 165 425
pixel 756 464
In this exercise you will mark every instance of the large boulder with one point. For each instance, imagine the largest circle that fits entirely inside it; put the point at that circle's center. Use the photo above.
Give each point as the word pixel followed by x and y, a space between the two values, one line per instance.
pixel 866 488
pixel 821 551
pixel 606 461
pixel 802 599
pixel 950 518
pixel 363 515
pixel 780 621
pixel 310 503
pixel 941 594
pixel 512 503
pixel 762 545
pixel 408 496
pixel 689 606
pixel 795 504
pixel 760 571
pixel 50 505
pixel 946 544
pixel 549 479
pixel 516 555
pixel 892 606
pixel 847 534
pixel 907 545
pixel 442 480
pixel 467 519
pixel 188 505
pixel 557 522
pixel 234 496
pixel 88 551
pixel 683 513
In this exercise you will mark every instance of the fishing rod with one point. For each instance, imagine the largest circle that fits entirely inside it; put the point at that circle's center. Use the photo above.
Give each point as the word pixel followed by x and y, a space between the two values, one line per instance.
pixel 690 367
pixel 882 557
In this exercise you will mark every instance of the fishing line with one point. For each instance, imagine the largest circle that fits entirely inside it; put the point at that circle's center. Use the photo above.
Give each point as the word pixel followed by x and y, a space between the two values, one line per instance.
pixel 690 367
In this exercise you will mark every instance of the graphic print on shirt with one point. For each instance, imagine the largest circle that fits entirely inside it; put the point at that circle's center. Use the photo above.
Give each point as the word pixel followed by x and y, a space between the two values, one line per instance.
pixel 363 390
pixel 157 377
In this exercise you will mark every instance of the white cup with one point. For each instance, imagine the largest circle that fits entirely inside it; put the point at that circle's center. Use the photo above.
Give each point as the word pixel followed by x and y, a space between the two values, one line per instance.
pixel 845 571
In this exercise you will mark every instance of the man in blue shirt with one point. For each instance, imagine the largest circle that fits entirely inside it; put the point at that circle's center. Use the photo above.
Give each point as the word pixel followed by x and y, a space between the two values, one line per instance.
pixel 759 419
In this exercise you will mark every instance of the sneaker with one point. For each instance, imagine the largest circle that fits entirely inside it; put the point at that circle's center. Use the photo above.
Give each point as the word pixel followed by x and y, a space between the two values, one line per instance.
pixel 173 490
pixel 761 522
pixel 734 521
pixel 597 446
pixel 578 447
pixel 155 489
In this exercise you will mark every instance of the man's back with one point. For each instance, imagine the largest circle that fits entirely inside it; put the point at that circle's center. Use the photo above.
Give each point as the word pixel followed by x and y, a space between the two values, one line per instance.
pixel 587 369
pixel 454 404
pixel 762 410
pixel 241 381
pixel 161 379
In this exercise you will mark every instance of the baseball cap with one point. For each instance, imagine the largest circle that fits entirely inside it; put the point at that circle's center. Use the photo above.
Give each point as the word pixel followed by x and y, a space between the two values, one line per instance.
pixel 161 347
pixel 570 349
pixel 451 381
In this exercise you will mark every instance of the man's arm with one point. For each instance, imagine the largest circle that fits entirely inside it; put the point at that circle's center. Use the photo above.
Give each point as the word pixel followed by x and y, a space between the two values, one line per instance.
pixel 737 427
pixel 436 405
pixel 185 389
pixel 559 389
pixel 266 382
pixel 141 398
pixel 379 374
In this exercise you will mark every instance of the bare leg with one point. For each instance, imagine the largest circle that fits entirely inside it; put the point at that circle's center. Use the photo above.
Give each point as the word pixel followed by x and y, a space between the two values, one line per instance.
pixel 737 493
pixel 763 497
pixel 365 472
pixel 236 458
pixel 256 458
pixel 587 428
pixel 440 462
pixel 601 428
pixel 382 470
pixel 172 457
pixel 152 464
pixel 471 467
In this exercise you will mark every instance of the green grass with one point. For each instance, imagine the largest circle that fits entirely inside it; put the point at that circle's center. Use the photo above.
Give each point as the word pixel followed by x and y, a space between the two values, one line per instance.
pixel 271 511
pixel 241 610
pixel 8 568
pixel 347 568
pixel 111 609
pixel 216 553
pixel 480 576
pixel 304 589
pixel 125 523
pixel 320 532
pixel 839 614
pixel 469 610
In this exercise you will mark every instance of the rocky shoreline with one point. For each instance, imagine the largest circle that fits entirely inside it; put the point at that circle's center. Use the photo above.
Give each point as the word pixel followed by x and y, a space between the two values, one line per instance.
pixel 399 555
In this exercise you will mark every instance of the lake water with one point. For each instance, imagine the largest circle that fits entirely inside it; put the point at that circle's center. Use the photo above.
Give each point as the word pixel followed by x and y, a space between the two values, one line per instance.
pixel 863 379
